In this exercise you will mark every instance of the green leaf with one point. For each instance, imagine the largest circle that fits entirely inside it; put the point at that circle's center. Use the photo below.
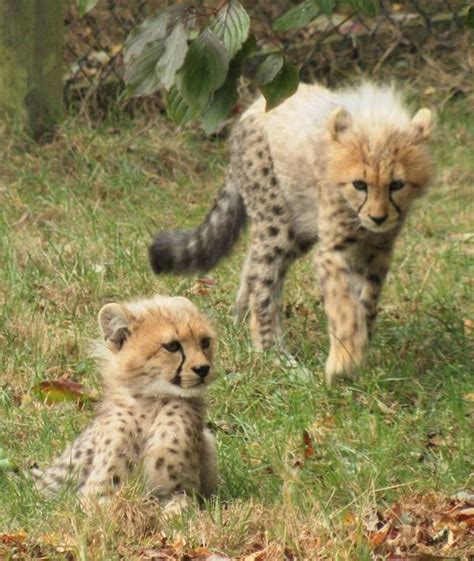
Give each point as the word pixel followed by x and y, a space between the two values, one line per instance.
pixel 140 75
pixel 85 6
pixel 204 70
pixel 224 99
pixel 283 85
pixel 177 108
pixel 152 30
pixel 269 68
pixel 298 16
pixel 226 96
pixel 154 51
pixel 369 7
pixel 231 26
pixel 326 6
pixel 175 48
pixel 470 17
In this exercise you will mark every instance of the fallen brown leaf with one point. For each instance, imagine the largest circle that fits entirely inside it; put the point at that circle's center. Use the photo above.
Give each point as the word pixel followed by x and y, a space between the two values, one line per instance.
pixel 308 444
pixel 13 539
pixel 55 391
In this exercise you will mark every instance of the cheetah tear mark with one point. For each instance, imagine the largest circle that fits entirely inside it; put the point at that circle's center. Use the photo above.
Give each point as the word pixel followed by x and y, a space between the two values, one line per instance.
pixel 177 379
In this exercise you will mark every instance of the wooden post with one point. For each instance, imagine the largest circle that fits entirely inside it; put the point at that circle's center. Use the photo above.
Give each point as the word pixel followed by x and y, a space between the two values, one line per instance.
pixel 31 56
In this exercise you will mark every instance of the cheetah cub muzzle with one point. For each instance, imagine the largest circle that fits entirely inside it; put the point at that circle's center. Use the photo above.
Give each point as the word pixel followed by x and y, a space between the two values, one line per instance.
pixel 156 364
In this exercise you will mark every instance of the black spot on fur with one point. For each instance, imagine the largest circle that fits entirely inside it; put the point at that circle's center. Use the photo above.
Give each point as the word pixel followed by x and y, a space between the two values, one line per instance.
pixel 273 231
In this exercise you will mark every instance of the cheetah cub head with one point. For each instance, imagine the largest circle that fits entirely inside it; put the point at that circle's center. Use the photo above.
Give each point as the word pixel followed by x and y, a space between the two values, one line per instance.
pixel 161 346
pixel 380 166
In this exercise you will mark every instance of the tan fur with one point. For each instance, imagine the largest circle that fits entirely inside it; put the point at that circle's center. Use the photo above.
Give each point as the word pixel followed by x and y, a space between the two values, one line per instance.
pixel 295 168
pixel 152 415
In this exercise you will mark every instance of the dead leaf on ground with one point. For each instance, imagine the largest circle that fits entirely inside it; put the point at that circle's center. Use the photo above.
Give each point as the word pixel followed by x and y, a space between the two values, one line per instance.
pixel 13 539
pixel 429 524
pixel 203 286
pixel 308 444
pixel 55 391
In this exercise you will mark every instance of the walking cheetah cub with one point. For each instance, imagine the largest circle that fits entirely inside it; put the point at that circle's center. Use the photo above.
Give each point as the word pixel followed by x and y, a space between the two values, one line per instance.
pixel 157 363
pixel 338 168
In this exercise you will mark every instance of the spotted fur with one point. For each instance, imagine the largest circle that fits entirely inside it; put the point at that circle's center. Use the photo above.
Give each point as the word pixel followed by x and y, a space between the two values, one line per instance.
pixel 338 168
pixel 157 362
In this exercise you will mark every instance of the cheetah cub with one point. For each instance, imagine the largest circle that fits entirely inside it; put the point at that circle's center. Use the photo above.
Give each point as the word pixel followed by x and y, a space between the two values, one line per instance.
pixel 339 169
pixel 157 363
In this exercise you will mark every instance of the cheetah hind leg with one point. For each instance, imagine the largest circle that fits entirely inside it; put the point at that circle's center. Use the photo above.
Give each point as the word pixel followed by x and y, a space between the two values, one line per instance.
pixel 243 294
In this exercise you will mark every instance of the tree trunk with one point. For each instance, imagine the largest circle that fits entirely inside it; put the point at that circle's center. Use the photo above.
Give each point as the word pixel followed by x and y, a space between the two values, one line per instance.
pixel 31 55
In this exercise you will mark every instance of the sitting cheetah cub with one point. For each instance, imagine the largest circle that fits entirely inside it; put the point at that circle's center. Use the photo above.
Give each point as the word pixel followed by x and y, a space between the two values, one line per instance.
pixel 339 169
pixel 157 363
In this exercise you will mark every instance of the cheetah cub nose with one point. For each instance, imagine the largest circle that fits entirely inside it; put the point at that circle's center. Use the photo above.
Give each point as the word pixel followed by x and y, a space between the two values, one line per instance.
pixel 379 219
pixel 202 371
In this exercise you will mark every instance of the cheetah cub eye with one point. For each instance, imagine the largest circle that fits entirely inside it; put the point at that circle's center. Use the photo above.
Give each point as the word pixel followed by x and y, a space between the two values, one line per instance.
pixel 173 347
pixel 360 185
pixel 396 185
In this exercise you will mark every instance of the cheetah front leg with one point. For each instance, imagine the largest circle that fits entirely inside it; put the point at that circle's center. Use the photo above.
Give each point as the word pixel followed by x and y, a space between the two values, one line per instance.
pixel 208 464
pixel 171 457
pixel 109 458
pixel 348 331
pixel 351 294
pixel 377 268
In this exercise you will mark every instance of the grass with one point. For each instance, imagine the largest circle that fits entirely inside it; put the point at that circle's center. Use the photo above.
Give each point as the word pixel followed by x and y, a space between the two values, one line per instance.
pixel 302 465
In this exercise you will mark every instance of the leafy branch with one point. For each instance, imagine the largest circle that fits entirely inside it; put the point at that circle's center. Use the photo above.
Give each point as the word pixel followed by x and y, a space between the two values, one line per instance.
pixel 197 54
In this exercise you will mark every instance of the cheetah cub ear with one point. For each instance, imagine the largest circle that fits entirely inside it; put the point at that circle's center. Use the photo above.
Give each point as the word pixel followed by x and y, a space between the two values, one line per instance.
pixel 114 322
pixel 339 122
pixel 421 125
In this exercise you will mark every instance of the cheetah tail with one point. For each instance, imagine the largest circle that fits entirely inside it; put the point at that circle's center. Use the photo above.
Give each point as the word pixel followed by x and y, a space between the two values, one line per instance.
pixel 201 248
